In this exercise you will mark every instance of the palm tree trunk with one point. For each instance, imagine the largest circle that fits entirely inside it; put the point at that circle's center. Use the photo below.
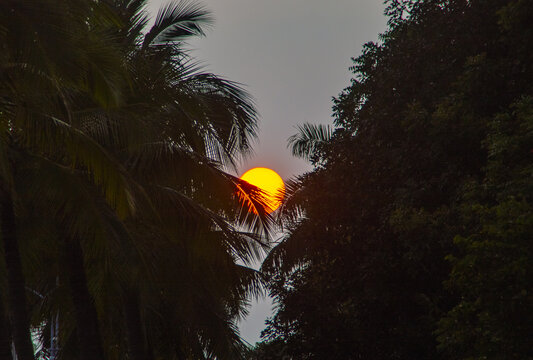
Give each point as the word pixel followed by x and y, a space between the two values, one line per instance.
pixel 5 338
pixel 16 294
pixel 136 340
pixel 88 332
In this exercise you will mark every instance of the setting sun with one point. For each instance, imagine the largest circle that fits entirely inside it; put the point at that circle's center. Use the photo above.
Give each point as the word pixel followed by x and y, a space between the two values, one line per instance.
pixel 268 181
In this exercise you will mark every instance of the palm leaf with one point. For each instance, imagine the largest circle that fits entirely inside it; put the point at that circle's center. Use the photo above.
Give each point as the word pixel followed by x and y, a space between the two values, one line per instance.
pixel 176 21
pixel 135 15
pixel 309 137
pixel 292 201
pixel 48 134
pixel 290 252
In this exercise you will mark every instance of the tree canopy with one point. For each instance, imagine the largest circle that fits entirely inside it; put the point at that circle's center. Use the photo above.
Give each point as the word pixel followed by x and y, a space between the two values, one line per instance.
pixel 410 239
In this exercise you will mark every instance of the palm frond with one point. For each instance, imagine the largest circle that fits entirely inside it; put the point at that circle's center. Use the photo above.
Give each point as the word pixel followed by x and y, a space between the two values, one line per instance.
pixel 198 179
pixel 48 134
pixel 305 143
pixel 291 200
pixel 222 111
pixel 67 52
pixel 164 161
pixel 253 211
pixel 177 21
pixel 137 18
pixel 251 282
pixel 290 252
pixel 184 213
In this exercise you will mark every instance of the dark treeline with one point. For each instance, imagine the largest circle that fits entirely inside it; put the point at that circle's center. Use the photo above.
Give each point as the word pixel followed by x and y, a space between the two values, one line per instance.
pixel 412 236
pixel 122 236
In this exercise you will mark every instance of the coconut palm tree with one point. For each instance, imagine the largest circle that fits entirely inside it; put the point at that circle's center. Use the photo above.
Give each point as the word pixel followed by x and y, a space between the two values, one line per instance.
pixel 169 138
pixel 203 122
pixel 46 57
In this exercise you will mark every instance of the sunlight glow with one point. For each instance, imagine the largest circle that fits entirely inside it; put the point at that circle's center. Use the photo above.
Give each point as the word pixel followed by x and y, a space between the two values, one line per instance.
pixel 268 181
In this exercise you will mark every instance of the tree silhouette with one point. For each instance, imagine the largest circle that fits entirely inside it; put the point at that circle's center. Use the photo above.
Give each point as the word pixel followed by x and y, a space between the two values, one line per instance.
pixel 114 150
pixel 418 135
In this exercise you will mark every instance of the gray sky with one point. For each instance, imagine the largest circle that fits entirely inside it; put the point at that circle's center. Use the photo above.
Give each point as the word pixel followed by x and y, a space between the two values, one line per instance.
pixel 293 57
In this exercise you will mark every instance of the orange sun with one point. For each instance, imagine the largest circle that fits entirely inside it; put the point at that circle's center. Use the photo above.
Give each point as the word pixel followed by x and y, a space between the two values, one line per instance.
pixel 268 181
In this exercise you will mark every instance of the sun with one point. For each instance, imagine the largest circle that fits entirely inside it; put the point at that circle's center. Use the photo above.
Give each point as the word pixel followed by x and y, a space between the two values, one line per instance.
pixel 268 181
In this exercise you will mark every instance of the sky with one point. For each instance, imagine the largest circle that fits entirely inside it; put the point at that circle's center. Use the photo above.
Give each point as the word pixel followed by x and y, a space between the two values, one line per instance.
pixel 293 57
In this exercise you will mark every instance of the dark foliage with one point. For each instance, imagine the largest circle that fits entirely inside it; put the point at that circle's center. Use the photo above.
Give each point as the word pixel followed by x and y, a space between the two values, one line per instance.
pixel 122 235
pixel 432 143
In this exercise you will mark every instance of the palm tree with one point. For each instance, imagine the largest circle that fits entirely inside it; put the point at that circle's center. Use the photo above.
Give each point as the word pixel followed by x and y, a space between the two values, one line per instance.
pixel 47 57
pixel 174 127
pixel 114 168
pixel 202 121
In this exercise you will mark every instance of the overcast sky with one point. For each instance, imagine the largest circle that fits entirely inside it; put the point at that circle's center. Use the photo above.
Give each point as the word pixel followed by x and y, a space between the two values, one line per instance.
pixel 293 57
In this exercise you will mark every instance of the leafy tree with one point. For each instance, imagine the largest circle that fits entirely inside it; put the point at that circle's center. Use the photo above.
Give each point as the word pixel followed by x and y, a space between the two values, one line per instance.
pixel 492 272
pixel 360 274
